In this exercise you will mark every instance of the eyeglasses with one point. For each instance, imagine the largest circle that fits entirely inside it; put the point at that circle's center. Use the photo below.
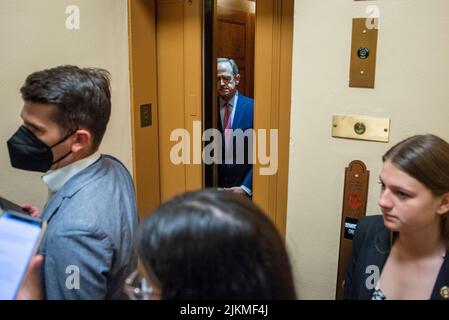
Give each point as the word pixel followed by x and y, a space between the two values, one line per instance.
pixel 137 288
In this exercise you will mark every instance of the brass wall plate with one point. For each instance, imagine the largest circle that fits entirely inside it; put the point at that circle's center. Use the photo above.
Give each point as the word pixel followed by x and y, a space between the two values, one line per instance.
pixel 355 198
pixel 363 53
pixel 361 128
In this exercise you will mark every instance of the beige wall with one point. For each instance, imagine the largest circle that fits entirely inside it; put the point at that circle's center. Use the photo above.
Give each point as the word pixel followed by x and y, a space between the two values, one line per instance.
pixel 411 90
pixel 33 36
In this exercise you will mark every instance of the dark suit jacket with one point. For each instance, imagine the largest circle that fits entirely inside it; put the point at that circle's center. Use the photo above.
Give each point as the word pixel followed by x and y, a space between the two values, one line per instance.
pixel 234 174
pixel 371 247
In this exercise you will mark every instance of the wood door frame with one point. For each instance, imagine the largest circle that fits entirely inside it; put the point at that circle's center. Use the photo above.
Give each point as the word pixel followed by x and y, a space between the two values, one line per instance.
pixel 272 100
pixel 272 95
pixel 180 92
pixel 273 55
pixel 143 90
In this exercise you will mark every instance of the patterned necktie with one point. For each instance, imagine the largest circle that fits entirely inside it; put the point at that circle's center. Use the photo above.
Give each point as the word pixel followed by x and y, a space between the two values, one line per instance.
pixel 227 116
pixel 227 122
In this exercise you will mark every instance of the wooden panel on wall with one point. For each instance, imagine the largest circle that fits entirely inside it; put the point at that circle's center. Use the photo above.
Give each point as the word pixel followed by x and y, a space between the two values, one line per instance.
pixel 179 88
pixel 272 93
pixel 233 33
pixel 142 52
pixel 235 40
pixel 170 64
pixel 193 94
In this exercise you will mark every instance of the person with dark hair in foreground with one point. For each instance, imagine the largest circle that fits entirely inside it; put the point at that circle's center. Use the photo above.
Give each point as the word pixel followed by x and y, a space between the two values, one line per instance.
pixel 211 245
pixel 403 255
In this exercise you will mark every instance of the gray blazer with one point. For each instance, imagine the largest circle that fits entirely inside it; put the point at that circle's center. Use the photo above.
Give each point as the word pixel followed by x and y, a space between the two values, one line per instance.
pixel 88 246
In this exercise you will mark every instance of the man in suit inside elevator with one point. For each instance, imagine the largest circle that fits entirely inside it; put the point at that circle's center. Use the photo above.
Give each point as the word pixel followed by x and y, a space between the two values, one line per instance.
pixel 236 111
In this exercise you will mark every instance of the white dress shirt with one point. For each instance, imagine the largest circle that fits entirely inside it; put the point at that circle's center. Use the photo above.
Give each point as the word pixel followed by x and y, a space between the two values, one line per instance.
pixel 55 179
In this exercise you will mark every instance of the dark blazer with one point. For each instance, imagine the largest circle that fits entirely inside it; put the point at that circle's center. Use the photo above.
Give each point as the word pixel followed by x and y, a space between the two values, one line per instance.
pixel 371 247
pixel 234 174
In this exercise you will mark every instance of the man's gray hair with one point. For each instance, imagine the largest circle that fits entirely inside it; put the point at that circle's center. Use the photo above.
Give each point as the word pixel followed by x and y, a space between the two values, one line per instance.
pixel 234 66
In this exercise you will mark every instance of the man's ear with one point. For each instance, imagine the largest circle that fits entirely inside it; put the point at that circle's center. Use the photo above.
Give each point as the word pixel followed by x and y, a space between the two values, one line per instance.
pixel 444 204
pixel 82 140
pixel 237 79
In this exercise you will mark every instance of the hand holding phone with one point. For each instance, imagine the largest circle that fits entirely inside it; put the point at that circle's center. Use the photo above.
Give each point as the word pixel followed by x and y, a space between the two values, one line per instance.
pixel 32 211
pixel 20 236
pixel 6 205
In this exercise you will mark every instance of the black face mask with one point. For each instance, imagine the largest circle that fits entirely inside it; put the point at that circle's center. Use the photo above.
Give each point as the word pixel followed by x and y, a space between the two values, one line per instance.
pixel 27 152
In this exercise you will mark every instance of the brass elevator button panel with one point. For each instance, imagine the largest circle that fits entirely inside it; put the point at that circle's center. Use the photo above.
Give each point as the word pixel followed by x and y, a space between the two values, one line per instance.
pixel 361 128
pixel 363 54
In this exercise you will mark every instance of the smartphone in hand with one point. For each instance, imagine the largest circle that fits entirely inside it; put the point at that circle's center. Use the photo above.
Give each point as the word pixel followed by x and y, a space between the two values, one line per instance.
pixel 6 205
pixel 20 236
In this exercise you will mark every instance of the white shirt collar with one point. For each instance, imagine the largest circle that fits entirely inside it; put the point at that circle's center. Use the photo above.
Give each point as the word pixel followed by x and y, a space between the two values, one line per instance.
pixel 55 179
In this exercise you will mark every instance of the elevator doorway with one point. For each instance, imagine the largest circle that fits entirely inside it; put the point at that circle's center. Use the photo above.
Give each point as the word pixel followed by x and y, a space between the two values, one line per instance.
pixel 168 69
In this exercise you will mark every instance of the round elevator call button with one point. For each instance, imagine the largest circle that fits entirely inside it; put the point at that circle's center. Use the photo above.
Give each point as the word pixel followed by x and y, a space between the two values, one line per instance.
pixel 363 53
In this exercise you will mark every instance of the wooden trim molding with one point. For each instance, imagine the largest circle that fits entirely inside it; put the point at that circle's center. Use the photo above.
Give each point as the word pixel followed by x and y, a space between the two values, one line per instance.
pixel 143 92
pixel 272 92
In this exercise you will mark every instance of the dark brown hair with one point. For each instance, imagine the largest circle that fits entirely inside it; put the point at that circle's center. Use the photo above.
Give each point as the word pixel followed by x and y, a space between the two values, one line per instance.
pixel 215 245
pixel 425 158
pixel 82 97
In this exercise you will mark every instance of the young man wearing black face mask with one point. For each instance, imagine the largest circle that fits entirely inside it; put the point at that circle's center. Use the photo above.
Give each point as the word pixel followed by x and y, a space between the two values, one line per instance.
pixel 91 213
